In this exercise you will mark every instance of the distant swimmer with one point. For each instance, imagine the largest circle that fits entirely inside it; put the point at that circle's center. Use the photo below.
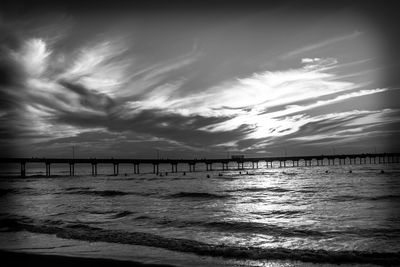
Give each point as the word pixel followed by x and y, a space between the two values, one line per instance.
pixel 326 171
pixel 208 176
pixel 350 171
pixel 382 171
pixel 219 174
pixel 184 173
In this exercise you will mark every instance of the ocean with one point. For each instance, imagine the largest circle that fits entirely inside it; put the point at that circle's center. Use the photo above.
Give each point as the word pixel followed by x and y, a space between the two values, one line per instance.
pixel 294 216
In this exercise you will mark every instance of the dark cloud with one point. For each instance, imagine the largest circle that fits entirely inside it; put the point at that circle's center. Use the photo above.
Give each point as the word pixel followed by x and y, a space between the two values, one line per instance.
pixel 11 76
pixel 8 39
pixel 90 6
pixel 10 73
pixel 157 123
pixel 90 98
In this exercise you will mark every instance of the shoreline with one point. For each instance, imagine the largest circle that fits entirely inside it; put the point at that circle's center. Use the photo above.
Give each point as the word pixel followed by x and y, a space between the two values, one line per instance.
pixel 14 259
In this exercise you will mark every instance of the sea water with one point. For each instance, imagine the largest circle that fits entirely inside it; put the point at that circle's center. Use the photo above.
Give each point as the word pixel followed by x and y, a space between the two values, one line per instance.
pixel 291 216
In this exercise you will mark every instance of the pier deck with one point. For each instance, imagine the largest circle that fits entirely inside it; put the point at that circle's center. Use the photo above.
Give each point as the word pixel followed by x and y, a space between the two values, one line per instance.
pixel 307 161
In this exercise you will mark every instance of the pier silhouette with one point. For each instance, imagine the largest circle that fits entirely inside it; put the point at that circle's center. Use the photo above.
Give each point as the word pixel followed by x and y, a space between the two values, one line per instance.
pixel 224 163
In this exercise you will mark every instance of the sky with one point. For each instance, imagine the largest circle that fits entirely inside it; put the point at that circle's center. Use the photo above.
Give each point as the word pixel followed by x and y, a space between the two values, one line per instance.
pixel 188 79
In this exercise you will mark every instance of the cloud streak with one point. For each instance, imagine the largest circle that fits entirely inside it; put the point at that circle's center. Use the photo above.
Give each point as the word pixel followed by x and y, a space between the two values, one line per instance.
pixel 324 43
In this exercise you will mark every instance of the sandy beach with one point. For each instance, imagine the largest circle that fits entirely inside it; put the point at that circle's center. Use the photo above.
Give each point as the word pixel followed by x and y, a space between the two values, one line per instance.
pixel 14 259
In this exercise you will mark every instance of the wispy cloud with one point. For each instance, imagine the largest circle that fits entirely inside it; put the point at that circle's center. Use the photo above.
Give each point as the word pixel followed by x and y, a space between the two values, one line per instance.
pixel 33 57
pixel 158 75
pixel 310 60
pixel 322 44
pixel 101 66
pixel 354 124
pixel 88 84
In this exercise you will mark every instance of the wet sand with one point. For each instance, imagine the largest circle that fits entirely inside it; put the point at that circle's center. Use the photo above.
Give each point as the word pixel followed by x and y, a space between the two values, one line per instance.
pixel 8 258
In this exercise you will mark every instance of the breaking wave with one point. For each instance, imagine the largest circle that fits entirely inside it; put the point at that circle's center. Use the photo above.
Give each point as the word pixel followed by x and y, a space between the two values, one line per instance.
pixel 95 234
pixel 261 228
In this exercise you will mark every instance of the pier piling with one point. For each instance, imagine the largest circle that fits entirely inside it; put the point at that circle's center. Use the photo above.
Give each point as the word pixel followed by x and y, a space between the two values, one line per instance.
pixel 94 169
pixel 136 169
pixel 155 168
pixel 23 169
pixel 47 169
pixel 71 169
pixel 116 169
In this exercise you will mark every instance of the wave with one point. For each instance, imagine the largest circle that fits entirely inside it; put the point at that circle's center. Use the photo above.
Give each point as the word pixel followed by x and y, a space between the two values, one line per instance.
pixel 113 214
pixel 45 176
pixel 275 230
pixel 95 234
pixel 182 178
pixel 247 189
pixel 197 195
pixel 103 193
pixel 238 227
pixel 343 198
pixel 269 229
pixel 7 191
pixel 385 197
pixel 76 188
pixel 142 217
pixel 290 173
pixel 280 212
pixel 79 226
pixel 260 189
pixel 121 214
pixel 57 214
pixel 261 228
pixel 278 189
pixel 100 211
pixel 230 178
pixel 11 221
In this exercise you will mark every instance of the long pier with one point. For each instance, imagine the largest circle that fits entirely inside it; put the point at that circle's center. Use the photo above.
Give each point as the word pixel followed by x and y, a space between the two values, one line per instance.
pixel 307 161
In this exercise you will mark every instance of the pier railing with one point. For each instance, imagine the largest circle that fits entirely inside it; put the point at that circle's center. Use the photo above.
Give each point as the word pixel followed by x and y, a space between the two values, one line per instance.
pixel 307 161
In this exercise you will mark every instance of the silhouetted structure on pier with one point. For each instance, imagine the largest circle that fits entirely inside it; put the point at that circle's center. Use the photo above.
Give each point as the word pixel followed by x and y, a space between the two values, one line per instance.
pixel 377 158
